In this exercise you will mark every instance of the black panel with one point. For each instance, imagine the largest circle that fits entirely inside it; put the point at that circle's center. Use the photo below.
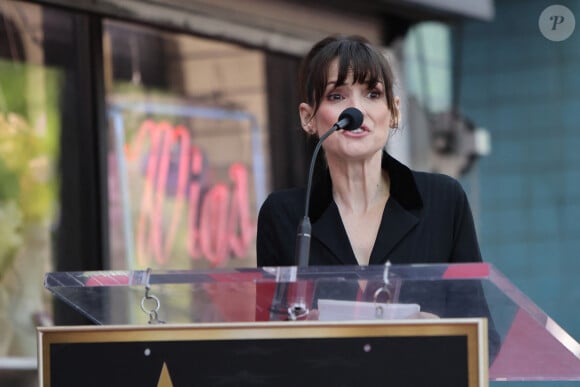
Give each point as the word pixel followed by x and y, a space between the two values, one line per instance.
pixel 359 361
pixel 290 151
pixel 72 43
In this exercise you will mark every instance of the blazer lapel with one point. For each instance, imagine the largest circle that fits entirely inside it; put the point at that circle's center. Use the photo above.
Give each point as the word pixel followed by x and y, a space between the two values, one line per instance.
pixel 399 216
pixel 395 224
pixel 329 231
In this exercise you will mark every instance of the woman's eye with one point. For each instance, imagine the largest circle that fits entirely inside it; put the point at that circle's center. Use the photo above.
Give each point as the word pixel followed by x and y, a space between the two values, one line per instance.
pixel 375 94
pixel 334 97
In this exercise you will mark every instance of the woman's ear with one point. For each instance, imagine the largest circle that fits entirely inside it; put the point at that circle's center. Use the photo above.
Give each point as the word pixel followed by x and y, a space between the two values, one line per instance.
pixel 305 111
pixel 396 115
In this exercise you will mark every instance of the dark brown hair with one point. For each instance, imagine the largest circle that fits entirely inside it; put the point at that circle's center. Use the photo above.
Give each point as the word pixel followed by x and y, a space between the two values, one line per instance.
pixel 354 53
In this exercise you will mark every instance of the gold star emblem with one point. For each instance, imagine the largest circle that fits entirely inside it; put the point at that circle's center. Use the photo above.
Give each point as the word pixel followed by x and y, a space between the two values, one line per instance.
pixel 164 378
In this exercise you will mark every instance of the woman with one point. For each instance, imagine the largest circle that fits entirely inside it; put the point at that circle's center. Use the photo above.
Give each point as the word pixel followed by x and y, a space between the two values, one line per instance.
pixel 365 207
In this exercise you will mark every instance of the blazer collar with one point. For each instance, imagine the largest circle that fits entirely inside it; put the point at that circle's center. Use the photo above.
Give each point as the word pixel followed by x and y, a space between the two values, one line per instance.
pixel 403 188
pixel 399 215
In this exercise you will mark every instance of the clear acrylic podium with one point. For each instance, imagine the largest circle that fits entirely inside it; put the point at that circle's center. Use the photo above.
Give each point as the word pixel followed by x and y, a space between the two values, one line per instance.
pixel 524 343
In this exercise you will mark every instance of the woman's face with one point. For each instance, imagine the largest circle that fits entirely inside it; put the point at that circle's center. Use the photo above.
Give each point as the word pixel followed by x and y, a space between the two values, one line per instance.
pixel 361 143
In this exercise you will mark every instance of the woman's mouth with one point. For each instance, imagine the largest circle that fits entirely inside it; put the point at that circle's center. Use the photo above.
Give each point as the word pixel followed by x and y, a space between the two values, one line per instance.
pixel 358 131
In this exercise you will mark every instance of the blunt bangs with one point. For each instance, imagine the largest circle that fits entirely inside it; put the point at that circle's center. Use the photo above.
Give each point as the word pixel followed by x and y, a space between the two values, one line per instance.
pixel 355 55
pixel 358 60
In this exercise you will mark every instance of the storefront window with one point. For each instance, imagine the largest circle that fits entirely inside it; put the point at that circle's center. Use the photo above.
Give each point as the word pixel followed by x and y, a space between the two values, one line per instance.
pixel 186 149
pixel 29 150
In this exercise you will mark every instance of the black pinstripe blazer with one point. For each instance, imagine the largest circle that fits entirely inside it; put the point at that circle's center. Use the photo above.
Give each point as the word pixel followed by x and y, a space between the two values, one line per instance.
pixel 427 219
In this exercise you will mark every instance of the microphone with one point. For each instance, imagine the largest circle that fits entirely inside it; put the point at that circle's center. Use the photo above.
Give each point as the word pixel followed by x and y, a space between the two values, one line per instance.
pixel 350 119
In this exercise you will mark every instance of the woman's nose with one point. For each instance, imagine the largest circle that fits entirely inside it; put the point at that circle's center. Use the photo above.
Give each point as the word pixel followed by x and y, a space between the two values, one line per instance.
pixel 360 100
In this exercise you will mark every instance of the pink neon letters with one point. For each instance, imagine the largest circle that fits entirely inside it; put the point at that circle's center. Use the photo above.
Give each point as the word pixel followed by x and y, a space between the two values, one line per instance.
pixel 218 222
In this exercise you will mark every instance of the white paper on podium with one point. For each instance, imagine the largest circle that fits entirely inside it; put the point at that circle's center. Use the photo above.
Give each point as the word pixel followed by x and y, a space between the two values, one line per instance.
pixel 339 310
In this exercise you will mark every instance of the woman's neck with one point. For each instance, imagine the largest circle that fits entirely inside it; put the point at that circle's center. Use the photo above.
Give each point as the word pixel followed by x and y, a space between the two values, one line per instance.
pixel 359 187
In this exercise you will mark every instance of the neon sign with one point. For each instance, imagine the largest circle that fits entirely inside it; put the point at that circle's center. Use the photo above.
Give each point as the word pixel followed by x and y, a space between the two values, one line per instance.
pixel 217 216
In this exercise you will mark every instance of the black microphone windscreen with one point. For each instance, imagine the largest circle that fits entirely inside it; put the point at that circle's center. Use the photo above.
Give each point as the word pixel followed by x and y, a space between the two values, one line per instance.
pixel 353 116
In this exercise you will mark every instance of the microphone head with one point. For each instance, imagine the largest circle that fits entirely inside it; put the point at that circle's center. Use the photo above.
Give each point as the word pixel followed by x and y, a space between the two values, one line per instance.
pixel 351 117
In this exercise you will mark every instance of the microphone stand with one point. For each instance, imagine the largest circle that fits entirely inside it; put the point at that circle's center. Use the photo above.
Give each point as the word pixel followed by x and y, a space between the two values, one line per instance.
pixel 298 309
pixel 350 119
pixel 303 235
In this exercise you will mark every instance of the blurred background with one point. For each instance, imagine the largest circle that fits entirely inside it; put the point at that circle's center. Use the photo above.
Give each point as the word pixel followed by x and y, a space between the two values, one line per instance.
pixel 146 134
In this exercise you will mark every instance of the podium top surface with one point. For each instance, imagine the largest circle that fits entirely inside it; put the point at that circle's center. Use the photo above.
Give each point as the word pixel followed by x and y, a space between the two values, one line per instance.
pixel 524 343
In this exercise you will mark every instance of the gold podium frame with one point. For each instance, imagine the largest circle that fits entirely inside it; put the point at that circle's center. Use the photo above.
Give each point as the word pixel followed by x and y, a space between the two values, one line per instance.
pixel 473 329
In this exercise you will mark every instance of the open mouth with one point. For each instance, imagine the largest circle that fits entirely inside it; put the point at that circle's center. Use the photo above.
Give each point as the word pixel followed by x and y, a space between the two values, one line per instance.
pixel 363 129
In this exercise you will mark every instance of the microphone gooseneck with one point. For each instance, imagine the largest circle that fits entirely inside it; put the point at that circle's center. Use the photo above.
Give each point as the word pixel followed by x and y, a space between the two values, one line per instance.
pixel 350 119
